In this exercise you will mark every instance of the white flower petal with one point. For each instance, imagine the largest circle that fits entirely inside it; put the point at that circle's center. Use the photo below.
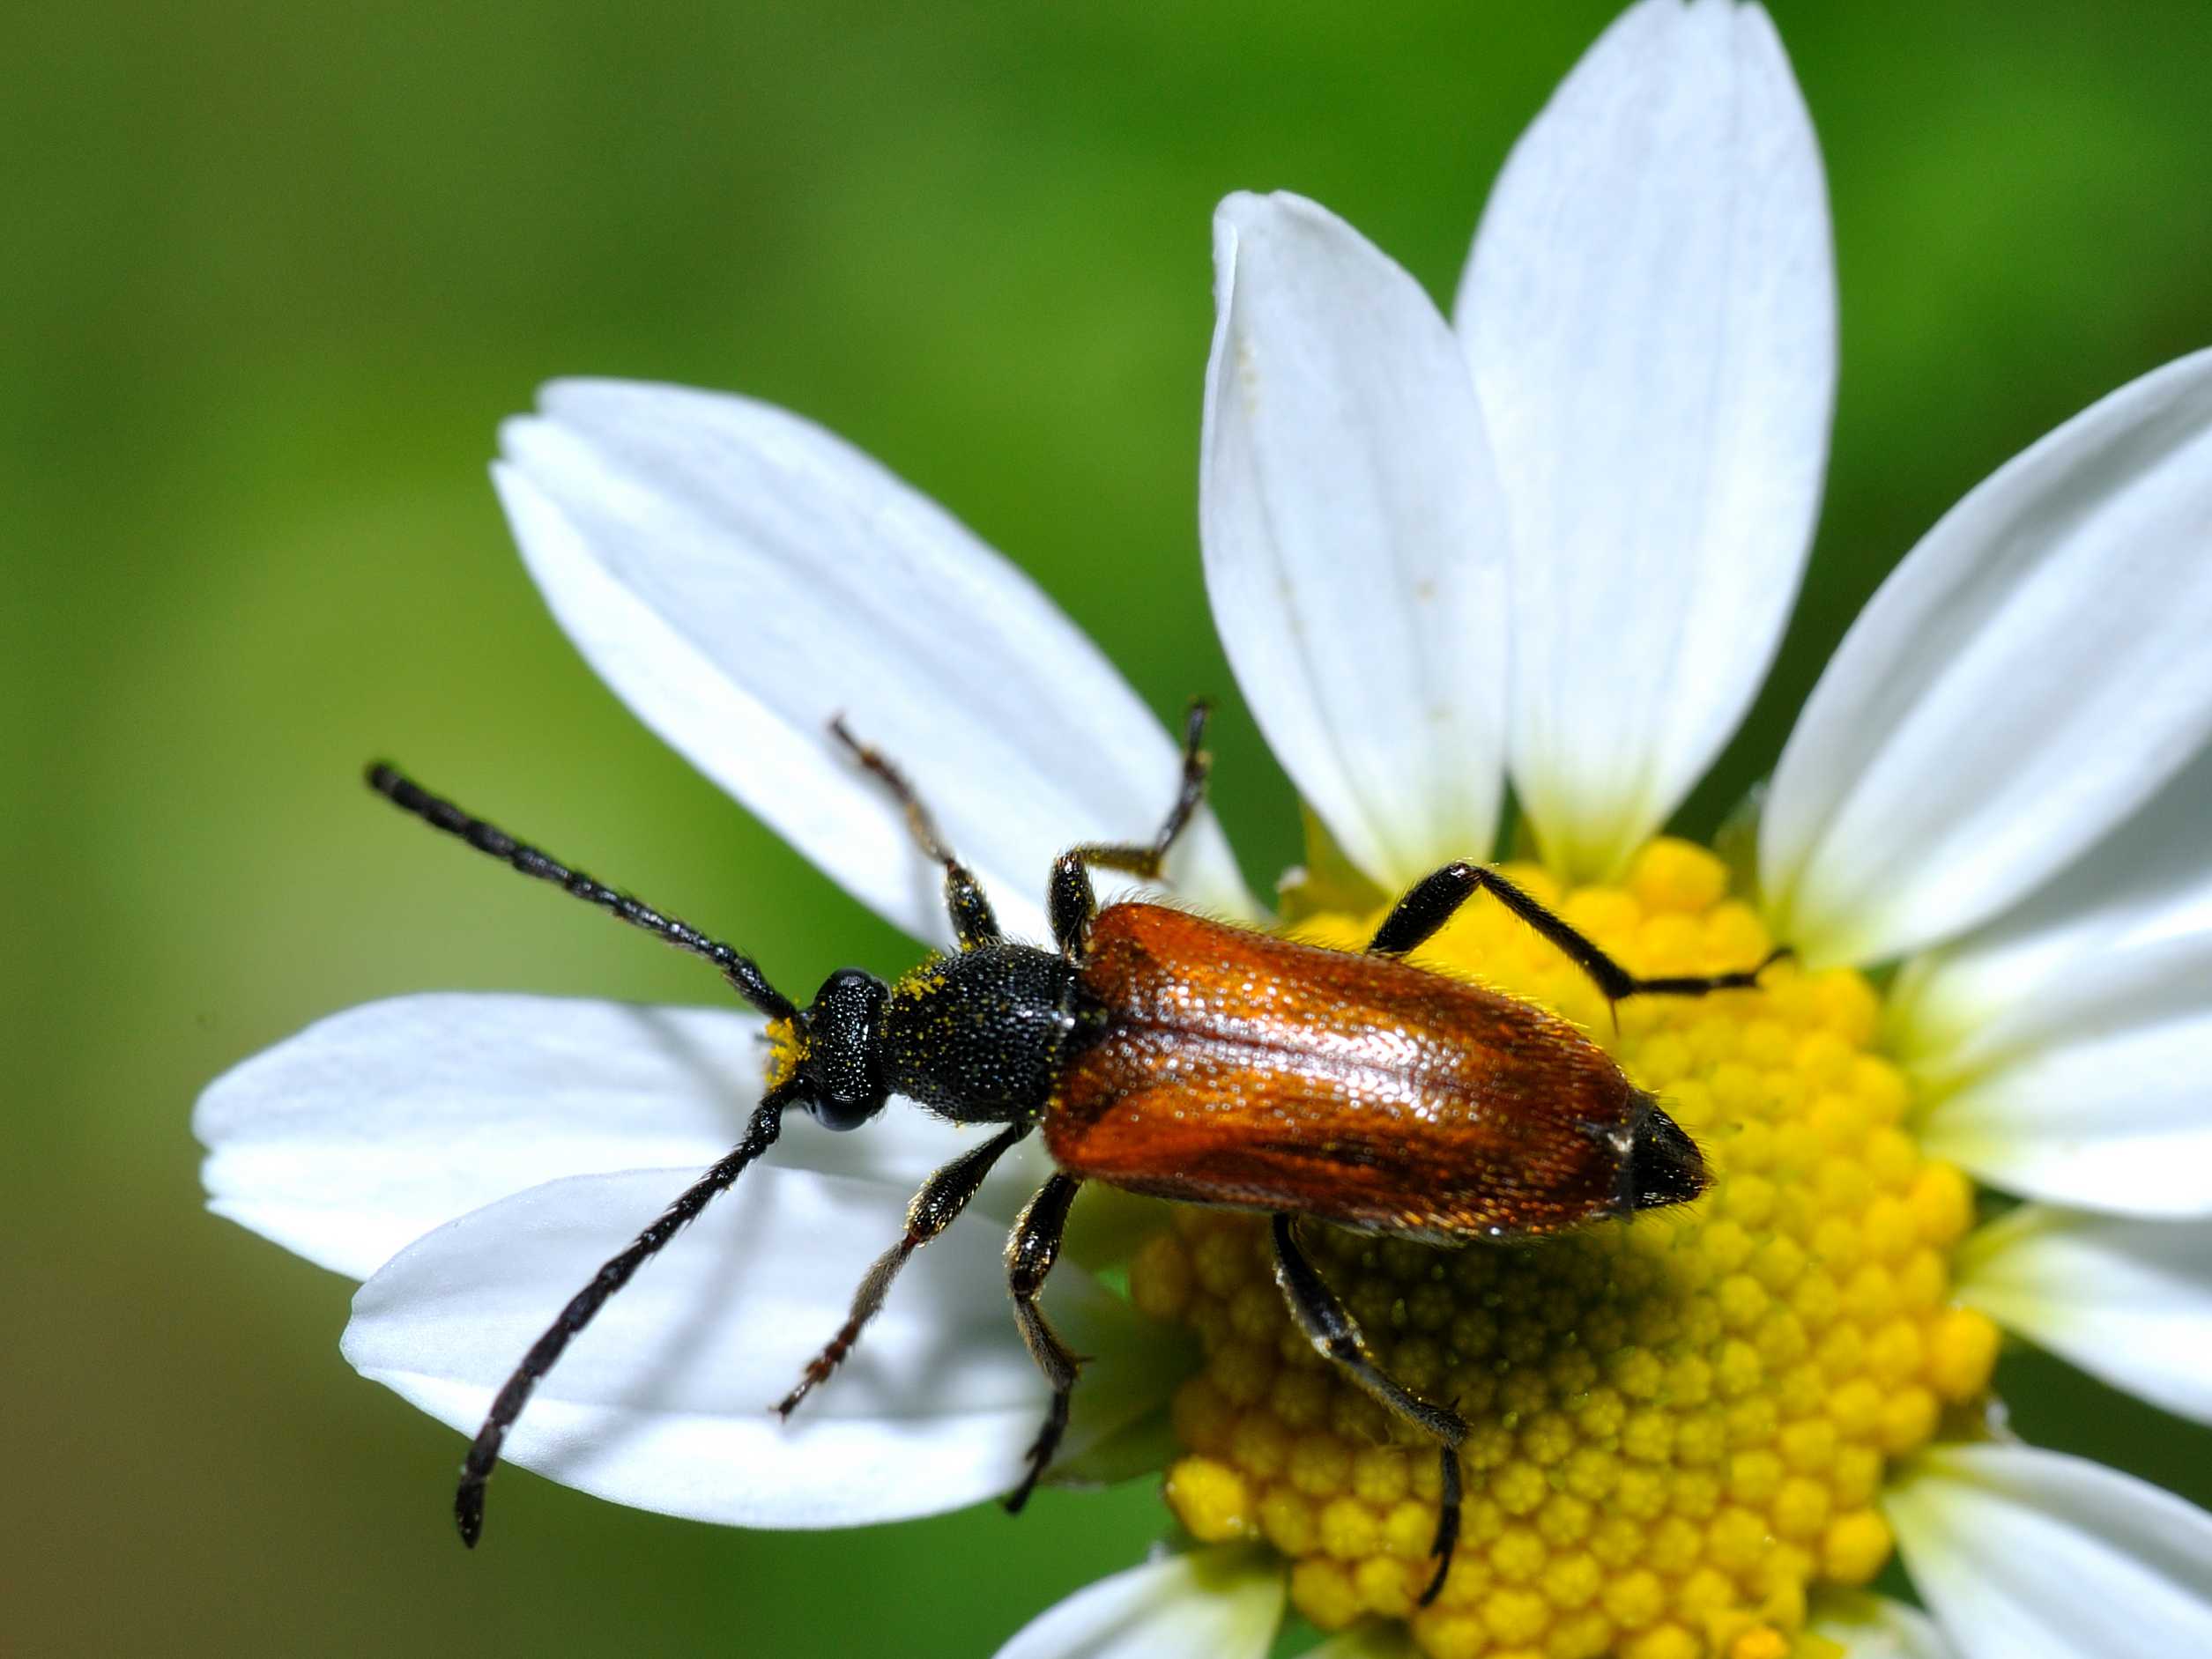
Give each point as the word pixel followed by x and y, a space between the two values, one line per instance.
pixel 2064 1045
pixel 2111 1113
pixel 1875 1627
pixel 664 1401
pixel 1650 311
pixel 2032 672
pixel 345 1143
pixel 2127 1301
pixel 739 576
pixel 1217 1604
pixel 2077 952
pixel 1353 537
pixel 2024 1554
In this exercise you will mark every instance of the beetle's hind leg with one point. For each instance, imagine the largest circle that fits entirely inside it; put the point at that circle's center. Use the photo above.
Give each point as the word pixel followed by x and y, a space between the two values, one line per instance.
pixel 1030 1253
pixel 943 1196
pixel 973 921
pixel 1436 899
pixel 1329 1326
pixel 1070 901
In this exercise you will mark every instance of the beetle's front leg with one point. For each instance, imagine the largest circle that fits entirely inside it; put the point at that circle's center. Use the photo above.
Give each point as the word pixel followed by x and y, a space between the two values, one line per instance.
pixel 942 1198
pixel 974 923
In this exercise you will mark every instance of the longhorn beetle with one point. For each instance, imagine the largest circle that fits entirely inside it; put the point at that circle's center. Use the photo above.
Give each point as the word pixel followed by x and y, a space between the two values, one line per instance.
pixel 1166 1054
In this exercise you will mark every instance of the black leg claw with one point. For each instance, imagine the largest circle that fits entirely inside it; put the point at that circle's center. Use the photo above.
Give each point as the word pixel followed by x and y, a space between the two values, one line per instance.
pixel 1039 1456
pixel 1447 1539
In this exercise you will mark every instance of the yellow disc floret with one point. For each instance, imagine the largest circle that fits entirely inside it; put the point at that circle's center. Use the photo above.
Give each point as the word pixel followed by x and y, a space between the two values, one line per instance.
pixel 1680 1422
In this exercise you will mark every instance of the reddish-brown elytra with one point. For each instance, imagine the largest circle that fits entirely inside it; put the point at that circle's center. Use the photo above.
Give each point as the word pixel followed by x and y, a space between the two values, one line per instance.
pixel 1241 1069
pixel 1166 1054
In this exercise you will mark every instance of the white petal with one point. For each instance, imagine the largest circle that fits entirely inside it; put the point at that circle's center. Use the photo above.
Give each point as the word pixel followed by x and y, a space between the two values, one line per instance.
pixel 2070 955
pixel 739 576
pixel 1353 537
pixel 2032 672
pixel 1217 1604
pixel 664 1401
pixel 2064 1045
pixel 1651 315
pixel 370 1128
pixel 2127 1301
pixel 2110 1111
pixel 1875 1627
pixel 2024 1554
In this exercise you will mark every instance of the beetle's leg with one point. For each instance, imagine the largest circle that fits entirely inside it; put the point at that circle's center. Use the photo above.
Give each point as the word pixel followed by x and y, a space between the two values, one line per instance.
pixel 1030 1253
pixel 1434 899
pixel 483 1456
pixel 1071 904
pixel 1146 860
pixel 944 1195
pixel 1329 1326
pixel 973 923
pixel 1070 901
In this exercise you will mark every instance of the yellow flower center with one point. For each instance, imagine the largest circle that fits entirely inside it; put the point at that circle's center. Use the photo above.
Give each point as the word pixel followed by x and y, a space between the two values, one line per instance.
pixel 1681 1422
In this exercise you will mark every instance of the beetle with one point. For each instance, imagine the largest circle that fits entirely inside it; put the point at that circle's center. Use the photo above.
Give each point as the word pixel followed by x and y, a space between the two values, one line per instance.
pixel 1168 1054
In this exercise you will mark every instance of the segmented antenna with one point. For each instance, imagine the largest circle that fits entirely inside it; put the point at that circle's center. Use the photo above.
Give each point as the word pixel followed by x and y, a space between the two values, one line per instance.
pixel 476 1469
pixel 743 975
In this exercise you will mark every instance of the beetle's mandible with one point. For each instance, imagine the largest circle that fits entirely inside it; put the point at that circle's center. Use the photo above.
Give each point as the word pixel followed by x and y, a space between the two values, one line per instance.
pixel 1166 1054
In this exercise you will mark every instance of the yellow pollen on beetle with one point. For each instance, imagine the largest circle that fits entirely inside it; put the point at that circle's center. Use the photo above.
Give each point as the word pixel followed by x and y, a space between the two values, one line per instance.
pixel 1680 1422
pixel 786 1048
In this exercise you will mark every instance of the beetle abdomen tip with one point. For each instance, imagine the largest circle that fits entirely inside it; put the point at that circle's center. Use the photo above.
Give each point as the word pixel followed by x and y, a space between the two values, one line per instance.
pixel 1663 1166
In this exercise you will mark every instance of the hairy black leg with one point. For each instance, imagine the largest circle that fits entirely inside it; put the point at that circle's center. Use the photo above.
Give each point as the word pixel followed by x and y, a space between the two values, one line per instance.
pixel 944 1195
pixel 1329 1326
pixel 743 975
pixel 1071 904
pixel 1070 901
pixel 1436 898
pixel 476 1469
pixel 1030 1253
pixel 973 923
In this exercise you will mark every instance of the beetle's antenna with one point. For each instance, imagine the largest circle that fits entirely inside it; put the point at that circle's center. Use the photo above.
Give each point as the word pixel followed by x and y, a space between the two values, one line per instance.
pixel 476 1469
pixel 743 975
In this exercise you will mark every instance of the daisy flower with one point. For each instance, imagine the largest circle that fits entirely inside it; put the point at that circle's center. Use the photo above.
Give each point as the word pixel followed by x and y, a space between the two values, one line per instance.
pixel 1554 540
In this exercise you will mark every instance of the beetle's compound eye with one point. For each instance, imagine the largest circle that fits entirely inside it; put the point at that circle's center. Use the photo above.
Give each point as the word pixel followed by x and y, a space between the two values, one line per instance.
pixel 843 1065
pixel 1663 1166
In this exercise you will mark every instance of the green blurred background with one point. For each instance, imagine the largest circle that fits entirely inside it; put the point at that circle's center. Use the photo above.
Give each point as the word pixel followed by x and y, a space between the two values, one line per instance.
pixel 270 276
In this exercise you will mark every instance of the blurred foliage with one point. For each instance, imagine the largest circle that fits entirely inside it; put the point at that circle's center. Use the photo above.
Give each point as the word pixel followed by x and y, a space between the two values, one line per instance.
pixel 272 275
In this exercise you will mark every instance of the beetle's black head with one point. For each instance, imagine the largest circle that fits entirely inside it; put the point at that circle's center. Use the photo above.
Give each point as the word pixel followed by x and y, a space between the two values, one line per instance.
pixel 1662 1166
pixel 839 1060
